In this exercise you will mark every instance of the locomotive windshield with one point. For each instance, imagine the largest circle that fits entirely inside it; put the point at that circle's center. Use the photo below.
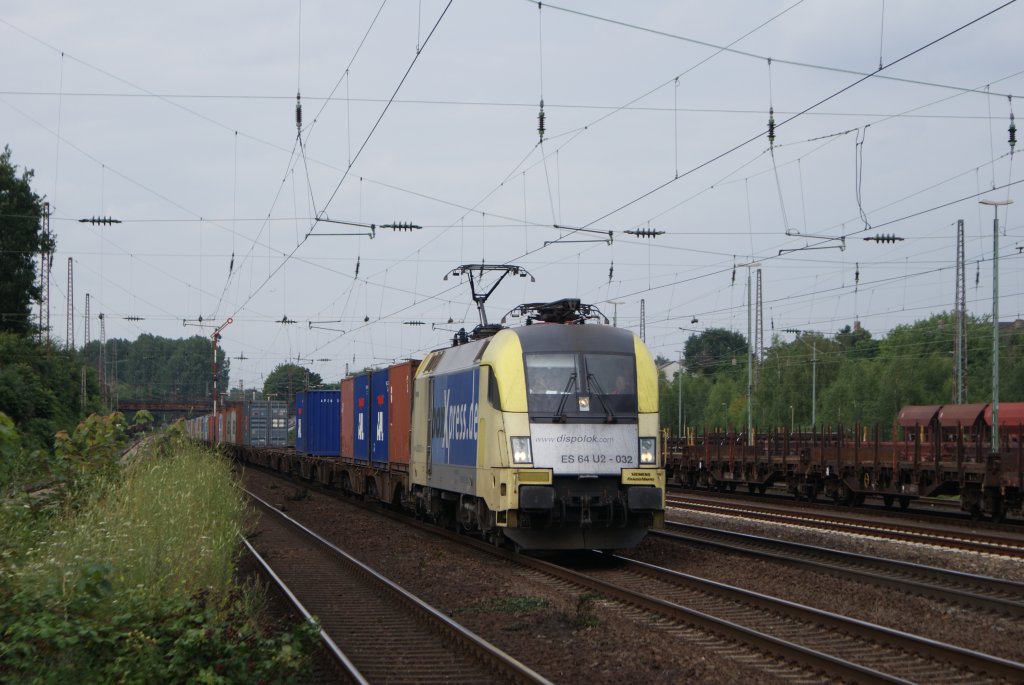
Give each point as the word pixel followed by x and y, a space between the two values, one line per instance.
pixel 611 374
pixel 548 378
pixel 561 384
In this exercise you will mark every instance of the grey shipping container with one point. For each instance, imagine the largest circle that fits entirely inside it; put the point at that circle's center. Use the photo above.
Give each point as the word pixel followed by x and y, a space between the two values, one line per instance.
pixel 267 424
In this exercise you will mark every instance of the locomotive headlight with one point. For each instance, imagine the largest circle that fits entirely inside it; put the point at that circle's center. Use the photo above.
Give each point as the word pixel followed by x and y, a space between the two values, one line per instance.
pixel 521 452
pixel 648 453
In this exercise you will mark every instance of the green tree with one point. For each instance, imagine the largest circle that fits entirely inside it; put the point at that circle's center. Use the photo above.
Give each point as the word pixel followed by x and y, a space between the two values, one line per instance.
pixel 714 351
pixel 152 367
pixel 857 344
pixel 40 388
pixel 726 406
pixel 287 379
pixel 791 374
pixel 21 239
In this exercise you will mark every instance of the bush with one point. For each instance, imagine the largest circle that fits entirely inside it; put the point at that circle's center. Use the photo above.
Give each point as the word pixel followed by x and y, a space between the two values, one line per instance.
pixel 142 420
pixel 11 454
pixel 195 639
pixel 135 583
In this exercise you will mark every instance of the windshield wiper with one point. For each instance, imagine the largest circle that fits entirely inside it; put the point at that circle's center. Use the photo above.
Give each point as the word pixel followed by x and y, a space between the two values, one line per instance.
pixel 609 414
pixel 559 416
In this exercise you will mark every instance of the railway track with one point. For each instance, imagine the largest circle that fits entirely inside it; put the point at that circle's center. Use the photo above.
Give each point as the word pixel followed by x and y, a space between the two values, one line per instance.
pixel 989 594
pixel 839 646
pixel 766 635
pixel 946 511
pixel 795 642
pixel 943 536
pixel 774 634
pixel 377 631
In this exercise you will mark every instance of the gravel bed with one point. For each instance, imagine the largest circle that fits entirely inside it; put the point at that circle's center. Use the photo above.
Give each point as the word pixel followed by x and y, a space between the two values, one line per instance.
pixel 574 638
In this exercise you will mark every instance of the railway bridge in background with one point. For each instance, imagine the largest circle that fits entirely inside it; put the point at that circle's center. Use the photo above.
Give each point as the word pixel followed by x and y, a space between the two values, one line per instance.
pixel 164 406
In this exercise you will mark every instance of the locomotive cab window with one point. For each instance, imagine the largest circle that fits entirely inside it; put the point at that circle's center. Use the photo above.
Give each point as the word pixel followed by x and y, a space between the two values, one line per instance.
pixel 569 384
pixel 614 377
pixel 548 378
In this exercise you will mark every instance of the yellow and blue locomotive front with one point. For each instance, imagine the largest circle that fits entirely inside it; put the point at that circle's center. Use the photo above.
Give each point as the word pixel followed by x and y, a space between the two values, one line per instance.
pixel 546 434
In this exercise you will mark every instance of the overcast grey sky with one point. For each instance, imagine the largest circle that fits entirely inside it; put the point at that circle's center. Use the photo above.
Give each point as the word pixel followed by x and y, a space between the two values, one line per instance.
pixel 178 119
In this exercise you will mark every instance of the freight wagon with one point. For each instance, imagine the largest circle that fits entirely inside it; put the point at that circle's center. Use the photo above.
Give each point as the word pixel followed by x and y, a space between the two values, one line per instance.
pixel 931 450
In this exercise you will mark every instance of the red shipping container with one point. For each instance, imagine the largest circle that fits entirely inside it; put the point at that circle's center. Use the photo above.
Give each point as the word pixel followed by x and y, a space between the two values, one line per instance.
pixel 234 423
pixel 347 417
pixel 400 379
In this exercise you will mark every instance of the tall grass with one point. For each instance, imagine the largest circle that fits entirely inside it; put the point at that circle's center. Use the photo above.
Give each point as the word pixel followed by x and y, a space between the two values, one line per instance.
pixel 167 529
pixel 134 583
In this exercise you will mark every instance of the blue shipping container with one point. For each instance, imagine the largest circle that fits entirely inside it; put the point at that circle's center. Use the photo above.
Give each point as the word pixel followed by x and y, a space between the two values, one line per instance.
pixel 318 422
pixel 361 418
pixel 379 415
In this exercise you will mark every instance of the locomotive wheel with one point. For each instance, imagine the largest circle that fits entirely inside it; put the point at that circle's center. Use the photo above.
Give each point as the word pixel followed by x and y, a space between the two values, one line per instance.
pixel 751 488
pixel 887 500
pixel 904 503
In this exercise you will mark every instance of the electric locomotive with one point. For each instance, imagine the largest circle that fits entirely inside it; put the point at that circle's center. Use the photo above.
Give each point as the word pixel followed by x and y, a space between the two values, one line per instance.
pixel 545 434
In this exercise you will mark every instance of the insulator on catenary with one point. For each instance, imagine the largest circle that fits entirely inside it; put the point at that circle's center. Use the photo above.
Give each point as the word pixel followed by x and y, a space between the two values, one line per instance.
pixel 884 238
pixel 1013 133
pixel 611 270
pixel 540 121
pixel 645 232
pixel 771 125
pixel 298 111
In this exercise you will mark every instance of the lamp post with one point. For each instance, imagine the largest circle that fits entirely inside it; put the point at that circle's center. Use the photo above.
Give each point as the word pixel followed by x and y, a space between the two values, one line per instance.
pixel 615 311
pixel 679 376
pixel 679 396
pixel 750 360
pixel 995 204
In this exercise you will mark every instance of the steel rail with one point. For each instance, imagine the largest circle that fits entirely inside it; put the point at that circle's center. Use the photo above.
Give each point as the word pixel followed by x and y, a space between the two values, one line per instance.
pixel 875 640
pixel 808 660
pixel 975 543
pixel 983 592
pixel 341 660
pixel 946 657
pixel 501 665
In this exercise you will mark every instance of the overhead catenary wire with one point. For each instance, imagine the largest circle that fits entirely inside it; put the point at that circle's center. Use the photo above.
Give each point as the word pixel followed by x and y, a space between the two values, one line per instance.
pixel 345 175
pixel 744 53
pixel 800 113
pixel 492 222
